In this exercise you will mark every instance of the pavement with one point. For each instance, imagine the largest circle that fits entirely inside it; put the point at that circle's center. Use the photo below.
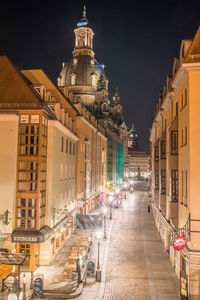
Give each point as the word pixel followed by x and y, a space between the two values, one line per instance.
pixel 134 263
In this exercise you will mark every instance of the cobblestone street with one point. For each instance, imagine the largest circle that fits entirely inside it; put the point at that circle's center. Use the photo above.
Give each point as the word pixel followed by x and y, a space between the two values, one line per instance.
pixel 138 267
pixel 127 276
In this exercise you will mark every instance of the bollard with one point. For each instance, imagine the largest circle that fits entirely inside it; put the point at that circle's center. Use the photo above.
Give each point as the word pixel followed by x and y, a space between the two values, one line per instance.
pixel 149 208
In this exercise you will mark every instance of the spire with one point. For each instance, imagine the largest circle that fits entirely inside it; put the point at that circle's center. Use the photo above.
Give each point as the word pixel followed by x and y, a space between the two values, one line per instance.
pixel 116 98
pixel 84 20
pixel 84 11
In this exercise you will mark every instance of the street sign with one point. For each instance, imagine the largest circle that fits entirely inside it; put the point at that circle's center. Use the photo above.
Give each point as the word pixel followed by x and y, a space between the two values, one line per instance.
pixel 179 243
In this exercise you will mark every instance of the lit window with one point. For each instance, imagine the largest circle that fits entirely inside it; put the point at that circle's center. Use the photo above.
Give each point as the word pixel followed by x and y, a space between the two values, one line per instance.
pixel 73 79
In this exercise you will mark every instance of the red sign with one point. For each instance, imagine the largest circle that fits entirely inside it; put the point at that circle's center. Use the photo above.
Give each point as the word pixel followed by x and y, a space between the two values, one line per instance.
pixel 179 243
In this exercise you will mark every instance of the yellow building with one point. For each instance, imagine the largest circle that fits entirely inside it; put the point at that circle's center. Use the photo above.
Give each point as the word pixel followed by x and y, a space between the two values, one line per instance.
pixel 53 163
pixel 61 164
pixel 175 143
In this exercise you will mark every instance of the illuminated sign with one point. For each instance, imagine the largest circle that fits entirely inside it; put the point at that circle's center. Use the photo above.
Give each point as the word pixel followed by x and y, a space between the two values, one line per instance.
pixel 179 243
pixel 25 239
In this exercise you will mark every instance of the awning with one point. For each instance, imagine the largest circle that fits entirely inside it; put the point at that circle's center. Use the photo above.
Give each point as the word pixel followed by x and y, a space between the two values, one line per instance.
pixel 12 258
pixel 31 236
pixel 5 271
pixel 88 221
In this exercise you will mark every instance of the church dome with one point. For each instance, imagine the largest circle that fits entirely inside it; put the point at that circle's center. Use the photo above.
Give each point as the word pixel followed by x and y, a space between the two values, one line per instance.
pixel 84 69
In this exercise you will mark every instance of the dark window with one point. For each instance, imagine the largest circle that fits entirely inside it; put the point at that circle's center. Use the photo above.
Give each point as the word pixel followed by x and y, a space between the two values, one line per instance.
pixel 174 185
pixel 156 179
pixel 66 149
pixel 163 181
pixel 22 213
pixel 70 148
pixel 156 153
pixel 23 202
pixel 62 144
pixel 174 142
pixel 163 149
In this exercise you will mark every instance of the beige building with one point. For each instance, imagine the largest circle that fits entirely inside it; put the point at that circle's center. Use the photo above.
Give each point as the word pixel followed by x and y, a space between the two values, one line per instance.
pixel 52 166
pixel 175 143
pixel 138 163
pixel 61 164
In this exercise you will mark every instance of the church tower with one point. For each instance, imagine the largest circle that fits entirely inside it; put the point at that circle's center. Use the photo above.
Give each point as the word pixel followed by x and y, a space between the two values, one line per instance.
pixel 83 37
pixel 80 75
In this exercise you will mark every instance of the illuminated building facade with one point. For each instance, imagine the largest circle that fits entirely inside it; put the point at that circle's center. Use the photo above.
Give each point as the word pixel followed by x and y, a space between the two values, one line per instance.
pixel 138 163
pixel 175 144
pixel 53 146
pixel 83 81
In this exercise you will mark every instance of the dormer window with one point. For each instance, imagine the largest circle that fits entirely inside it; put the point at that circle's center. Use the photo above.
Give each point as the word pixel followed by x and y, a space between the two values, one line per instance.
pixel 75 61
pixel 73 79
pixel 93 79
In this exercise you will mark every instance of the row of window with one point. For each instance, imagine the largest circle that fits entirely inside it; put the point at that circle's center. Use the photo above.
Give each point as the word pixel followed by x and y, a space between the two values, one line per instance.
pixel 173 146
pixel 32 165
pixel 67 146
pixel 162 185
pixel 67 172
pixel 73 79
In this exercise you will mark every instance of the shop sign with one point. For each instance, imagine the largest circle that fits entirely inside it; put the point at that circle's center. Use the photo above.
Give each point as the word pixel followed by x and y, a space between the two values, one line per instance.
pixel 179 243
pixel 25 239
pixel 38 287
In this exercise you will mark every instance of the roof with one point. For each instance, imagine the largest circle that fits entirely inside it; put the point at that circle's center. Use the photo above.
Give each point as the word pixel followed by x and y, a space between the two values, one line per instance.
pixel 14 87
pixel 193 54
pixel 38 77
pixel 83 69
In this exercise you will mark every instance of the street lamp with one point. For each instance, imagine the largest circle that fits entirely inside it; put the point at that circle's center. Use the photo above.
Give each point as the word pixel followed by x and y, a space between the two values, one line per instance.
pixel 98 271
pixel 24 287
pixel 104 218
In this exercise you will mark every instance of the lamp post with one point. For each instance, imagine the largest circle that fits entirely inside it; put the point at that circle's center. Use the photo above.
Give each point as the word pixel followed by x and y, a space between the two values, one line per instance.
pixel 98 271
pixel 104 218
pixel 24 287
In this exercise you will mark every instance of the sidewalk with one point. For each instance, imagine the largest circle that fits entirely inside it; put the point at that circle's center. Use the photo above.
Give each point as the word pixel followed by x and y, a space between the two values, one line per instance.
pixel 162 278
pixel 96 291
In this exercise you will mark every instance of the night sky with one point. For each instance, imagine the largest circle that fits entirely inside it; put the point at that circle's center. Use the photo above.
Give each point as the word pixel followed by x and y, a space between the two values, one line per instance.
pixel 136 40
